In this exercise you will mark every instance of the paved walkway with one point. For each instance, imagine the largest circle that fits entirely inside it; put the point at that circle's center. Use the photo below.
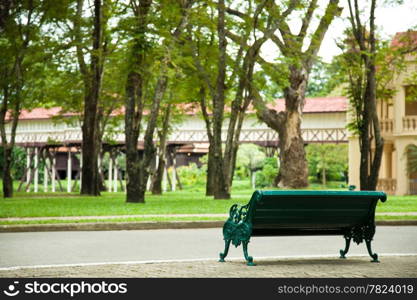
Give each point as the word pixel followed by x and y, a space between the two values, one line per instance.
pixel 69 218
pixel 355 266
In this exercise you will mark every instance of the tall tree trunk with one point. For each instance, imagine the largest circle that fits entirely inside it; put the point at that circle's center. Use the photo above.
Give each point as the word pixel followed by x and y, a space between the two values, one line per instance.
pixel 7 178
pixel 210 160
pixel 369 126
pixel 221 190
pixel 135 104
pixel 160 168
pixel 133 116
pixel 210 172
pixel 8 146
pixel 7 153
pixel 149 151
pixel 293 162
pixel 293 171
pixel 138 167
pixel 12 82
pixel 90 127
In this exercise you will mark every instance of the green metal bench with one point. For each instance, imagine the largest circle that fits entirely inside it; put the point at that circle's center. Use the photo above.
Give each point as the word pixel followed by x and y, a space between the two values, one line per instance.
pixel 281 213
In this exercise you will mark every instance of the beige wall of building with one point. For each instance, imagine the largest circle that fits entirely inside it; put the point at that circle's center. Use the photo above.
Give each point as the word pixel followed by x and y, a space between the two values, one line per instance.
pixel 398 120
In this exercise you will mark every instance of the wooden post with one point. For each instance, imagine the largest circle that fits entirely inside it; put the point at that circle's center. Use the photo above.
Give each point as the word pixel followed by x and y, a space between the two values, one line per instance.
pixel 81 168
pixel 27 165
pixel 164 179
pixel 69 170
pixel 45 176
pixel 174 173
pixel 36 167
pixel 53 173
pixel 115 174
pixel 109 183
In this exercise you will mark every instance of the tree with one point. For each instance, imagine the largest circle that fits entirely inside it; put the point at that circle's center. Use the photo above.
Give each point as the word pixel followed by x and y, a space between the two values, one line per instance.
pixel 369 65
pixel 215 82
pixel 327 160
pixel 322 79
pixel 298 57
pixel 250 157
pixel 162 135
pixel 92 80
pixel 24 56
pixel 138 84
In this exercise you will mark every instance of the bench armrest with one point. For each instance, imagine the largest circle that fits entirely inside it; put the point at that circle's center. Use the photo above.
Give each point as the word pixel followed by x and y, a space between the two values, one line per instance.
pixel 238 213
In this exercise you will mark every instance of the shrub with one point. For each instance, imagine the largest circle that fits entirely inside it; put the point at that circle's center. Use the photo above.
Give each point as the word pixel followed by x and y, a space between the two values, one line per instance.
pixel 192 175
pixel 267 175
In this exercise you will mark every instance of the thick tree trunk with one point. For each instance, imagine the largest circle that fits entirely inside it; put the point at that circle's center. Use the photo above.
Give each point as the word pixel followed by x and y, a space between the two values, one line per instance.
pixel 9 146
pixel 90 127
pixel 133 116
pixel 134 107
pixel 210 173
pixel 90 182
pixel 7 178
pixel 293 171
pixel 221 190
pixel 293 164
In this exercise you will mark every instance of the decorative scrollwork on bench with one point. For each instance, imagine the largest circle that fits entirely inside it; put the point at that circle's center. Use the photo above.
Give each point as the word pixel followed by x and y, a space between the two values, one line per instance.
pixel 238 213
pixel 361 233
pixel 236 229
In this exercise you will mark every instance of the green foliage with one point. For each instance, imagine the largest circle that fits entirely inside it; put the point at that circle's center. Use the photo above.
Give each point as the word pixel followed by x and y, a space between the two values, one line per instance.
pixel 192 175
pixel 18 162
pixel 322 80
pixel 411 88
pixel 330 158
pixel 249 158
pixel 351 69
pixel 411 153
pixel 266 177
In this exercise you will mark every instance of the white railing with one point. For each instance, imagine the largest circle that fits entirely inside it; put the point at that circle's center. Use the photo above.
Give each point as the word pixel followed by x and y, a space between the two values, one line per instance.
pixel 410 124
pixel 386 126
pixel 74 135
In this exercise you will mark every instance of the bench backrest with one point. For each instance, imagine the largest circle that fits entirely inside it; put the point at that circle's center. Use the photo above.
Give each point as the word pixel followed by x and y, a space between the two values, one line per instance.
pixel 277 212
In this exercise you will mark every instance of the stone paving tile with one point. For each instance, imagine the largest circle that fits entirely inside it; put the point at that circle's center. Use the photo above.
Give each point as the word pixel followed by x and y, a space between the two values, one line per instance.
pixel 392 266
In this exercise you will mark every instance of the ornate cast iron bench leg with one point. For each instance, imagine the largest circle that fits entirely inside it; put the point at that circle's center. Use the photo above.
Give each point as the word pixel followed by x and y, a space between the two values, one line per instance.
pixel 248 258
pixel 360 234
pixel 344 252
pixel 373 255
pixel 226 250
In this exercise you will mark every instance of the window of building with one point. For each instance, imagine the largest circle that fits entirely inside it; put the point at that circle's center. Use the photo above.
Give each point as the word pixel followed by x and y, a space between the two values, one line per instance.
pixel 410 100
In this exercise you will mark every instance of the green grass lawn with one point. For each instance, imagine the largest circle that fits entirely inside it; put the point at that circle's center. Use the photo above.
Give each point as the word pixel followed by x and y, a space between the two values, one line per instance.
pixel 189 201
pixel 63 204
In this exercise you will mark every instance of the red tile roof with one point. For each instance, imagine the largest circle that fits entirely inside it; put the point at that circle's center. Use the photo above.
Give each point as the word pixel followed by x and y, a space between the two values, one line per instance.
pixel 312 105
pixel 317 105
pixel 407 40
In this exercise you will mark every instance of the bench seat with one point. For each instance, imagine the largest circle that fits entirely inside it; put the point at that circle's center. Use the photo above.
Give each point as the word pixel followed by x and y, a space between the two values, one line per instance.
pixel 282 213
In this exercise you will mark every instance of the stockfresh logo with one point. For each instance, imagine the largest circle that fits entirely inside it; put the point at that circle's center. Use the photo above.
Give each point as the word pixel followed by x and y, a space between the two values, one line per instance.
pixel 12 290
